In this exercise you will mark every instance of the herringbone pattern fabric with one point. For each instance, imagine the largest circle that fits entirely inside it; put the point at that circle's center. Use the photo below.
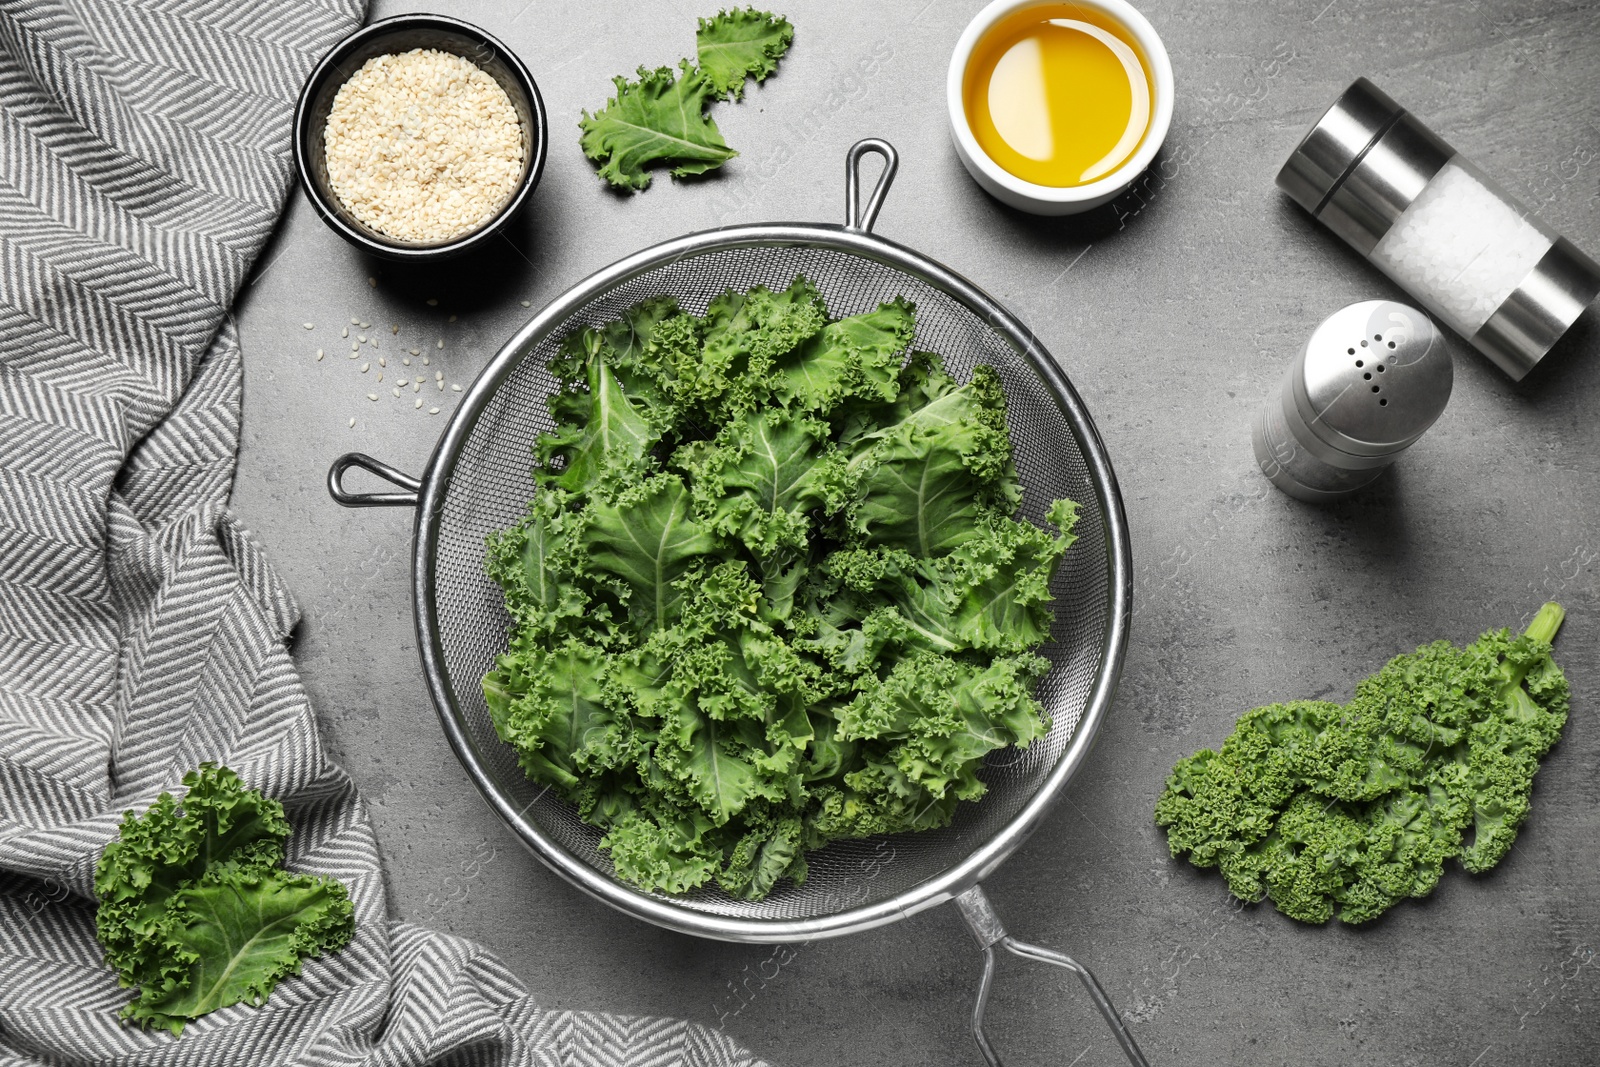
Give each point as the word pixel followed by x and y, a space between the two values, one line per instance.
pixel 144 155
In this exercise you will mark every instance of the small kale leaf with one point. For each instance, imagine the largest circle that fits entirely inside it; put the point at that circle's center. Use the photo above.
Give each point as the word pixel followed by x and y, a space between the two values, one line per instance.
pixel 196 908
pixel 738 44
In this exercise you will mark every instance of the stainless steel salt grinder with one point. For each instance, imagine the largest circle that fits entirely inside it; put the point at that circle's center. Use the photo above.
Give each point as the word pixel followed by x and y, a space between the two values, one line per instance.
pixel 1428 218
pixel 1372 379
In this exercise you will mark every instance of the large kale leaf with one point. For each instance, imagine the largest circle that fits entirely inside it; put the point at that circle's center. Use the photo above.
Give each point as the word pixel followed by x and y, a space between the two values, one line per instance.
pixel 1350 809
pixel 658 119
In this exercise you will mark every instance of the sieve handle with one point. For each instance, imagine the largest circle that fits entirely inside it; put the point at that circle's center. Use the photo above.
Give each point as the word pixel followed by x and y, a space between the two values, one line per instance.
pixel 984 922
pixel 854 217
pixel 336 489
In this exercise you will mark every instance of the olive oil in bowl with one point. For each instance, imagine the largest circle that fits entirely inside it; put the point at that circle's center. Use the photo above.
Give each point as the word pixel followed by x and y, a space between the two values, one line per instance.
pixel 1058 95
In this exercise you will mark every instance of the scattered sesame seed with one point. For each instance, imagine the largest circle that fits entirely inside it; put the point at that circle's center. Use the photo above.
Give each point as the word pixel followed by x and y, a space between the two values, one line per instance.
pixel 397 391
pixel 373 397
pixel 438 374
pixel 440 385
pixel 362 338
pixel 365 367
pixel 319 353
pixel 394 329
pixel 416 387
pixel 433 301
pixel 452 318
pixel 420 379
pixel 352 424
pixel 455 388
pixel 380 376
pixel 355 322
pixel 382 362
pixel 419 403
pixel 426 361
pixel 433 411
pixel 372 281
pixel 354 347
pixel 345 332
pixel 527 303
pixel 441 342
pixel 374 342
pixel 406 361
pixel 416 351
pixel 309 325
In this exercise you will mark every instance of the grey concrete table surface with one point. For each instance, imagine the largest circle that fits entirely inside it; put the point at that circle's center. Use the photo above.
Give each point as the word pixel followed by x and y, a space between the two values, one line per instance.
pixel 1174 313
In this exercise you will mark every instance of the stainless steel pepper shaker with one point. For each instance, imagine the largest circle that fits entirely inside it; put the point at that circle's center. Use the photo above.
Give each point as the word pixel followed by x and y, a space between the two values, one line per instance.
pixel 1428 218
pixel 1372 379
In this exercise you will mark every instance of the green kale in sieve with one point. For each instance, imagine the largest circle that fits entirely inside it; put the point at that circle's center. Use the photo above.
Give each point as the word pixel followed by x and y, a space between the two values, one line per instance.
pixel 770 591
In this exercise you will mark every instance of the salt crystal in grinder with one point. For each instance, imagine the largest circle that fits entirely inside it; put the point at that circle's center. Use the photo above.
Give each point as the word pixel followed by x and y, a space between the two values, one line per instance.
pixel 1429 219
pixel 1372 379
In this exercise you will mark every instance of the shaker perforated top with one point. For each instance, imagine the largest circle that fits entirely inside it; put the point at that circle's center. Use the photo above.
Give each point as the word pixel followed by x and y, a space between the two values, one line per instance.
pixel 1375 376
pixel 1371 380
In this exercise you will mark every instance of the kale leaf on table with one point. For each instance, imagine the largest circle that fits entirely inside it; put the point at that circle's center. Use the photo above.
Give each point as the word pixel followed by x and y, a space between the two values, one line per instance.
pixel 658 119
pixel 770 591
pixel 1322 807
pixel 661 119
pixel 740 44
pixel 196 908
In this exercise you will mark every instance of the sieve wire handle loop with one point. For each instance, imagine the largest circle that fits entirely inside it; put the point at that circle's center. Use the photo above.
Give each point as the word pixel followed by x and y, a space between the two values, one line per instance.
pixel 984 923
pixel 345 497
pixel 855 218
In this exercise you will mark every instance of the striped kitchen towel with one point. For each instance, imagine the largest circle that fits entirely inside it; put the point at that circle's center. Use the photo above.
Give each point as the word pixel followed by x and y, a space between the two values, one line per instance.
pixel 144 157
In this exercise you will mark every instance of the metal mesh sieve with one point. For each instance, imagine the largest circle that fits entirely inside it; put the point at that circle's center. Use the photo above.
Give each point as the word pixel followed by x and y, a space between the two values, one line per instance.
pixel 479 480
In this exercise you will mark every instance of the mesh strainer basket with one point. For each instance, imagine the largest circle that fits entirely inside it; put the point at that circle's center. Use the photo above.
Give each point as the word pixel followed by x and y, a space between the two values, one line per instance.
pixel 478 480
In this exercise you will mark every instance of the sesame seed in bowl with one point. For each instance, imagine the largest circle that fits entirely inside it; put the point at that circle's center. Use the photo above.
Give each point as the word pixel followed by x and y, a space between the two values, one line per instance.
pixel 419 137
pixel 423 145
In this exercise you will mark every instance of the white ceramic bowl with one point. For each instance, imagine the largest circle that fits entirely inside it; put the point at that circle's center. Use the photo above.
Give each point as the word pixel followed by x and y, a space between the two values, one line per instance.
pixel 1046 199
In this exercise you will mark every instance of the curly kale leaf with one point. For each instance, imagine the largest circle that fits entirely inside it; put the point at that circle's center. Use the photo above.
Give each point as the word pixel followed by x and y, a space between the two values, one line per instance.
pixel 240 936
pixel 1351 809
pixel 928 480
pixel 535 565
pixel 745 334
pixel 771 591
pixel 990 593
pixel 659 119
pixel 941 716
pixel 647 540
pixel 549 704
pixel 739 44
pixel 596 429
pixel 854 358
pixel 763 476
pixel 196 908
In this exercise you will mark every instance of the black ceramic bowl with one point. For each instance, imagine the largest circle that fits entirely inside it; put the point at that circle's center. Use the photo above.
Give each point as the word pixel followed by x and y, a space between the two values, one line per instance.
pixel 401 34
